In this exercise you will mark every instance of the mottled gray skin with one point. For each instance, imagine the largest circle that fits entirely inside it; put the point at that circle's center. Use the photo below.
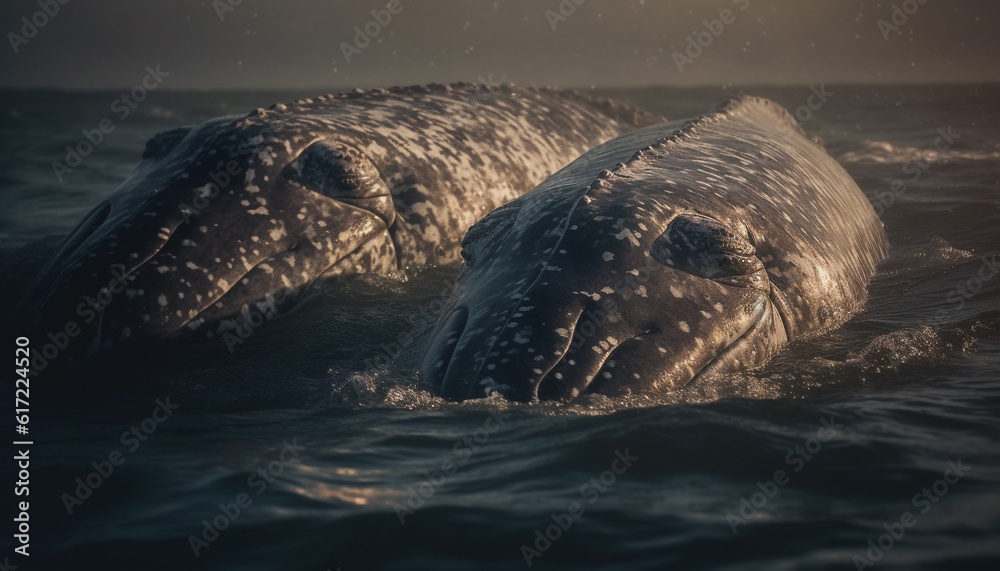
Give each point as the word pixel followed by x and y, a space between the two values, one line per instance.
pixel 675 253
pixel 366 182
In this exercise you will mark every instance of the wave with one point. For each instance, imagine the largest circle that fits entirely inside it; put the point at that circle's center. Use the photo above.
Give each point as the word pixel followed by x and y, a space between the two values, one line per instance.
pixel 883 152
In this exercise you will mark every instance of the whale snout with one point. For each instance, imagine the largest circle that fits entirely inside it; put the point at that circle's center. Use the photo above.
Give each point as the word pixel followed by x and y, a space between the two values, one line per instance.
pixel 476 356
pixel 554 342
pixel 576 347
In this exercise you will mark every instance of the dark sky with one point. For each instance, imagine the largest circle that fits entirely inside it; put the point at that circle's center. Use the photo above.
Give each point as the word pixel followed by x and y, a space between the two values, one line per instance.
pixel 298 43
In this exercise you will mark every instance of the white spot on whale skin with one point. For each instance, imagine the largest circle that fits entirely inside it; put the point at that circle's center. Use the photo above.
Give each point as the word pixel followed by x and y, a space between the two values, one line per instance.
pixel 608 256
pixel 641 291
pixel 627 234
pixel 260 211
pixel 676 292
pixel 162 300
pixel 683 326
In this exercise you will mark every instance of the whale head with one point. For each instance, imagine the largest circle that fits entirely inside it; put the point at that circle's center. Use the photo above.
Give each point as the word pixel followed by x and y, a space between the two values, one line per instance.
pixel 214 219
pixel 619 291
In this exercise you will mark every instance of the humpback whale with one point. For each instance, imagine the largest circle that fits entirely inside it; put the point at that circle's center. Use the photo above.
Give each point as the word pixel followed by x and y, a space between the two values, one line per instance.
pixel 675 253
pixel 219 216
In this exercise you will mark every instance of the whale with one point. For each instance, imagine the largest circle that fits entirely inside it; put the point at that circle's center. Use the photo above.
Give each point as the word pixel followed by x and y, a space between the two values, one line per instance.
pixel 241 210
pixel 678 253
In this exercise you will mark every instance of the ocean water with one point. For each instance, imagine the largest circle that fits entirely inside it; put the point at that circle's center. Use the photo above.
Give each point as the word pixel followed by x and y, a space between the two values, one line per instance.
pixel 311 444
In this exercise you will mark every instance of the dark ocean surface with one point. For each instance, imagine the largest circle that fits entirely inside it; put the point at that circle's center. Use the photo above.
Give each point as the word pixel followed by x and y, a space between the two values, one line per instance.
pixel 317 425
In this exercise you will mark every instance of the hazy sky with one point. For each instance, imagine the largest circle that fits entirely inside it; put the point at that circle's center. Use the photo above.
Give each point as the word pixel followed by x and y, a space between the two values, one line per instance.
pixel 300 43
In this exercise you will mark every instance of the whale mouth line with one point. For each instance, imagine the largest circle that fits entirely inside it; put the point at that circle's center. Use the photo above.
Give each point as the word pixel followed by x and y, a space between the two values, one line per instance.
pixel 211 303
pixel 326 271
pixel 714 363
pixel 569 342
pixel 547 374
pixel 607 357
pixel 293 248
